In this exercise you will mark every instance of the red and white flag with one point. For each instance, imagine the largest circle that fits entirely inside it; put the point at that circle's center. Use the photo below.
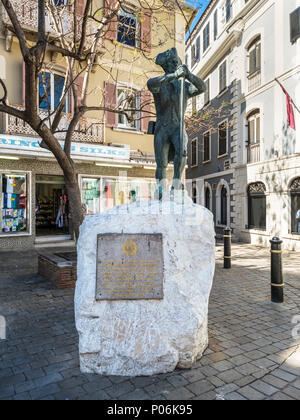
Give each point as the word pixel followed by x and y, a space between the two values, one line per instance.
pixel 289 108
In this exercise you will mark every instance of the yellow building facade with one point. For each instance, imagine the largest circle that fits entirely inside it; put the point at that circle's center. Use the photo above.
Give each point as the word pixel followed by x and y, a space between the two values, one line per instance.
pixel 113 154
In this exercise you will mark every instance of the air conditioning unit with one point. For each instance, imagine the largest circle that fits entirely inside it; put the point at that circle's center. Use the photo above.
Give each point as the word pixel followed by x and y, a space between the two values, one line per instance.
pixel 226 165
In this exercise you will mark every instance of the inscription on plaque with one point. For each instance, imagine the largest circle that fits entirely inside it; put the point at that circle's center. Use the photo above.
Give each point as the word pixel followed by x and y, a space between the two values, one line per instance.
pixel 129 267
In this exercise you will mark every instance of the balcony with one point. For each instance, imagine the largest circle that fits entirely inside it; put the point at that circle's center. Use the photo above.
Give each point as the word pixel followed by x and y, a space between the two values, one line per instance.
pixel 27 14
pixel 254 81
pixel 253 153
pixel 91 130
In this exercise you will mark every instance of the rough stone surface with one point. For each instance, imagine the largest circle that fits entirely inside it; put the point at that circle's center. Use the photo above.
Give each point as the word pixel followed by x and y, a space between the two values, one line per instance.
pixel 148 337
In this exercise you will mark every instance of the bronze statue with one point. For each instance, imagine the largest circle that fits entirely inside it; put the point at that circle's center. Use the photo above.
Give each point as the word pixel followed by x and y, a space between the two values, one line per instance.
pixel 170 97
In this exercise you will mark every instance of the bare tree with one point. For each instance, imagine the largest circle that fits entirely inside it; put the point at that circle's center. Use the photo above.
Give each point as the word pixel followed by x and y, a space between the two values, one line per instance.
pixel 76 36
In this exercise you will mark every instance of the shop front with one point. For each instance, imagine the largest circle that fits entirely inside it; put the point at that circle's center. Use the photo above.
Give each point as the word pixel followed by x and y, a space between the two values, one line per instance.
pixel 34 200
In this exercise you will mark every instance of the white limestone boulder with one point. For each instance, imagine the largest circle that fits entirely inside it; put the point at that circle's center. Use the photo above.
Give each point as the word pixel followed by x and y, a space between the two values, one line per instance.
pixel 147 337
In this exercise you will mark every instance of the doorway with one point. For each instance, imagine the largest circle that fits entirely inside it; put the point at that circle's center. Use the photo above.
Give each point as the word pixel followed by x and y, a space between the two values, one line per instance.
pixel 52 206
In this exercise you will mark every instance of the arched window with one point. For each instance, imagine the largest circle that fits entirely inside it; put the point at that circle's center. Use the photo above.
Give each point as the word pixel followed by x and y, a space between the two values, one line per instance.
pixel 295 205
pixel 224 204
pixel 207 198
pixel 257 206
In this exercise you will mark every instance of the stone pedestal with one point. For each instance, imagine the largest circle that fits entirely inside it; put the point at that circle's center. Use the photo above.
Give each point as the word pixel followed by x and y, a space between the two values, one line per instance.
pixel 147 336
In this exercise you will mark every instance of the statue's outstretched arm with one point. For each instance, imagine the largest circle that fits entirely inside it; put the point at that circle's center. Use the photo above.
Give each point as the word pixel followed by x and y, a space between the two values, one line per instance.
pixel 197 85
pixel 156 83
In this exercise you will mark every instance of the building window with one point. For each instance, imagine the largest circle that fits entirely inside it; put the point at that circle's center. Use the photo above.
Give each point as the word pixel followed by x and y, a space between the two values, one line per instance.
pixel 206 147
pixel 206 37
pixel 51 88
pixel 216 24
pixel 295 25
pixel 59 3
pixel 224 204
pixel 295 206
pixel 228 10
pixel 128 27
pixel 207 92
pixel 254 66
pixel 222 77
pixel 222 138
pixel 129 102
pixel 14 213
pixel 254 127
pixel 257 206
pixel 194 152
pixel 207 197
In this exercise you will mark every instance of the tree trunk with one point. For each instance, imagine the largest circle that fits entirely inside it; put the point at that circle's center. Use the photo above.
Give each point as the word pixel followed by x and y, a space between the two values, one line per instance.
pixel 74 197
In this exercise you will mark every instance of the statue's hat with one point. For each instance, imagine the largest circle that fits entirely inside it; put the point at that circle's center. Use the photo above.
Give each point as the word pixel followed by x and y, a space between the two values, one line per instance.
pixel 164 57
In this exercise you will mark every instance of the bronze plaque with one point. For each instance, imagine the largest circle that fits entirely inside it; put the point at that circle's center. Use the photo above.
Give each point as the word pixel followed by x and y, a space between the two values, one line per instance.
pixel 129 266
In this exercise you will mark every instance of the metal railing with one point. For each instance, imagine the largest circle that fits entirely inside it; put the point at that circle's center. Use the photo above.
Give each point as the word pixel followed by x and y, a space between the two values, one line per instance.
pixel 88 130
pixel 253 153
pixel 254 81
pixel 27 14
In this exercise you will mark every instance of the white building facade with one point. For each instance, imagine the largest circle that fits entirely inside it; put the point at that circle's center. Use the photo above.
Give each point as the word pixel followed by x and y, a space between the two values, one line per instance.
pixel 259 40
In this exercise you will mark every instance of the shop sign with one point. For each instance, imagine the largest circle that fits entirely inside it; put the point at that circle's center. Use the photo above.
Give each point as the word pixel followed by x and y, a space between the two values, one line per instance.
pixel 25 144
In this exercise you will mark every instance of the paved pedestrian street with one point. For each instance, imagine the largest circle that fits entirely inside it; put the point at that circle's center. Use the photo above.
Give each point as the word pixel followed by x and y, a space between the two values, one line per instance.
pixel 252 353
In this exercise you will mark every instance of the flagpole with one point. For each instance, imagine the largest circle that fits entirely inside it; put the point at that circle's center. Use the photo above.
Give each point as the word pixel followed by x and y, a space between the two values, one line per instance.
pixel 290 97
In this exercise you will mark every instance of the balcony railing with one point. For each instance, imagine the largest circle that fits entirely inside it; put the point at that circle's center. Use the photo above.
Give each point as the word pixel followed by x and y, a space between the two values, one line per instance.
pixel 27 14
pixel 88 130
pixel 254 81
pixel 253 153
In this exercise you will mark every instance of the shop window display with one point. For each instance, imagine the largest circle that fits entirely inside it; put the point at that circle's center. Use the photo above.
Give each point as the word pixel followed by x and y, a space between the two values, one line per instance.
pixel 14 203
pixel 101 194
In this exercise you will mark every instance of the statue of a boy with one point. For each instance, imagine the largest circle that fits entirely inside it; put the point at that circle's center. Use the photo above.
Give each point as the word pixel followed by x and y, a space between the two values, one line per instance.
pixel 169 142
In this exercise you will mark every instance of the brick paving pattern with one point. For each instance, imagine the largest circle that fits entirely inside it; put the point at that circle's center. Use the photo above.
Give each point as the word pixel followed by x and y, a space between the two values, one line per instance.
pixel 251 355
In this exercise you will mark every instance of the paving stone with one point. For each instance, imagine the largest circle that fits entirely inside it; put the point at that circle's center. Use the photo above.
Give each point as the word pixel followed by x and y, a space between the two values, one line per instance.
pixel 180 394
pixel 265 388
pixel 251 394
pixel 193 375
pixel 284 375
pixel 223 365
pixel 292 392
pixel 200 387
pixel 280 396
pixel 44 391
pixel 234 396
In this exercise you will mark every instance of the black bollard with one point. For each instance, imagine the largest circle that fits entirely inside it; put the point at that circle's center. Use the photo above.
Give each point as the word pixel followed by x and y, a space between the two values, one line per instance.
pixel 227 247
pixel 276 271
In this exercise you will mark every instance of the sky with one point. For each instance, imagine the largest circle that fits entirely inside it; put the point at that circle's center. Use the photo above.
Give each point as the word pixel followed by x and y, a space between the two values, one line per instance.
pixel 201 5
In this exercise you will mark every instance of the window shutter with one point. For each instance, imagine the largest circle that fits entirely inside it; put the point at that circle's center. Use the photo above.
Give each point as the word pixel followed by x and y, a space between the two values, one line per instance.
pixel 198 49
pixel 146 100
pixel 252 61
pixel 295 25
pixel 216 24
pixel 111 29
pixel 146 36
pixel 80 6
pixel 258 57
pixel 110 101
